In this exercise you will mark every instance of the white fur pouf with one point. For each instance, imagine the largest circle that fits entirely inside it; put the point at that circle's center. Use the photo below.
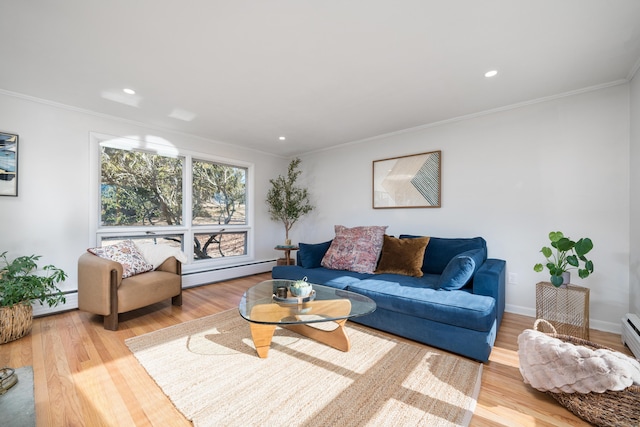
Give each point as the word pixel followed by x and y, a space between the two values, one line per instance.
pixel 550 364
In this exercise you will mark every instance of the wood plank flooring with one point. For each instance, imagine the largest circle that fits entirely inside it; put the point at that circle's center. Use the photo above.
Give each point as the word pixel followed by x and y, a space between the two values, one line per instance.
pixel 86 376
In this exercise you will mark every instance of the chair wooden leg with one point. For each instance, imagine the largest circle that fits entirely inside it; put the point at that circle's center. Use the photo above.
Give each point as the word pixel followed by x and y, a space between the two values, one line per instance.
pixel 177 300
pixel 111 320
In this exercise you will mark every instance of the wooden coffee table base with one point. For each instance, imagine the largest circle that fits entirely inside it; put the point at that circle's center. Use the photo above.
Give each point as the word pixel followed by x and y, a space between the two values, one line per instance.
pixel 262 333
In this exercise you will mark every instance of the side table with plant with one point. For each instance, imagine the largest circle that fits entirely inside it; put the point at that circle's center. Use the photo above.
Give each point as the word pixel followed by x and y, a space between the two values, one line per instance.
pixel 19 287
pixel 563 305
pixel 566 255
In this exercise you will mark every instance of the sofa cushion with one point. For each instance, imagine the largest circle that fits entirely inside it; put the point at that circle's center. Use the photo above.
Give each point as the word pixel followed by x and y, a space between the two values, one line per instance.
pixel 440 251
pixel 319 276
pixel 457 308
pixel 425 281
pixel 144 289
pixel 355 249
pixel 461 269
pixel 310 255
pixel 127 254
pixel 402 256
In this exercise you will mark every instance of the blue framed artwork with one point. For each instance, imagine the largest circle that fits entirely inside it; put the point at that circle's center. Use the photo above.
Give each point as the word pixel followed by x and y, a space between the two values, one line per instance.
pixel 8 164
pixel 408 181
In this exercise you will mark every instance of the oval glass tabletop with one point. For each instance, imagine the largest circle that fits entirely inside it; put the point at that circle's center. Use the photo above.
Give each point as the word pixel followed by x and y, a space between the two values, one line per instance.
pixel 258 304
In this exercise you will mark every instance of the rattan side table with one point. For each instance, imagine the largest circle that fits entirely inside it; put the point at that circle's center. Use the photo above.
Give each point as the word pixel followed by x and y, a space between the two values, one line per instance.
pixel 286 259
pixel 567 309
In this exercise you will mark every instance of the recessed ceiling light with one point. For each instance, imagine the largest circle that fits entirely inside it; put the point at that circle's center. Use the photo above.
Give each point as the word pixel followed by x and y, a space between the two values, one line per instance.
pixel 129 91
pixel 282 138
pixel 491 73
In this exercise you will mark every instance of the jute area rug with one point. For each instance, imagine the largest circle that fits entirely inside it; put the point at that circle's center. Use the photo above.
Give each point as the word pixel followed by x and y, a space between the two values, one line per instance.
pixel 211 372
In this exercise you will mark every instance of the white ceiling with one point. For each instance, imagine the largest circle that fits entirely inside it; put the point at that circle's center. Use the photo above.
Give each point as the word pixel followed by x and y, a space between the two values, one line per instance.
pixel 320 72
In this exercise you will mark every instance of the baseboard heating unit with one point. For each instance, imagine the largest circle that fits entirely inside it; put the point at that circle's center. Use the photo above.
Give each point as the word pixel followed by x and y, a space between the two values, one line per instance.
pixel 631 333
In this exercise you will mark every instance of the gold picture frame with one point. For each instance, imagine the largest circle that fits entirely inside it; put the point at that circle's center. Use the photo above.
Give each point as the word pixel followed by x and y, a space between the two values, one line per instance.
pixel 412 181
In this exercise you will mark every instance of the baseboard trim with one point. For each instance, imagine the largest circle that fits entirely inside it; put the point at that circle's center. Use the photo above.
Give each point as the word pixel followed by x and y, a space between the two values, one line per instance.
pixel 71 304
pixel 200 278
pixel 227 273
pixel 599 325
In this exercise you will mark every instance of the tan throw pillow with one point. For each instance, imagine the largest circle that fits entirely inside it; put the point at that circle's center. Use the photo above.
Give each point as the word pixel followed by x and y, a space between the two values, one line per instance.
pixel 402 256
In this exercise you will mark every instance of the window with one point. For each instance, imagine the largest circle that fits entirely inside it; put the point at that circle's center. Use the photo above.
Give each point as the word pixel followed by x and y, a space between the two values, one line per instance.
pixel 171 240
pixel 151 192
pixel 219 193
pixel 219 196
pixel 218 244
pixel 138 188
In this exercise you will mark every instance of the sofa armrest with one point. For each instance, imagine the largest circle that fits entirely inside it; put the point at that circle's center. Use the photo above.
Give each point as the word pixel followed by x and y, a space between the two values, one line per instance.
pixel 171 265
pixel 95 275
pixel 92 266
pixel 490 281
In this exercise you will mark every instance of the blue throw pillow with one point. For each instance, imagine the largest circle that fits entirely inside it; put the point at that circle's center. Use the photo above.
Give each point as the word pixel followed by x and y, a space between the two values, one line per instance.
pixel 461 269
pixel 311 254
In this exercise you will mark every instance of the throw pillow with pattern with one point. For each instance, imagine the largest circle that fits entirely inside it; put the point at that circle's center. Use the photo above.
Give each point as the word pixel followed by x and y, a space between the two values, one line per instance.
pixel 127 254
pixel 355 249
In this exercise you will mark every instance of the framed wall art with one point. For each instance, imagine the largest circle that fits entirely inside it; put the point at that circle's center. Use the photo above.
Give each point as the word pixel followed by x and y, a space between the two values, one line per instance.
pixel 8 164
pixel 408 181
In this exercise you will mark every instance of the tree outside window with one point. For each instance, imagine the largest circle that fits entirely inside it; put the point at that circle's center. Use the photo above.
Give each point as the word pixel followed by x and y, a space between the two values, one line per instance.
pixel 219 199
pixel 140 189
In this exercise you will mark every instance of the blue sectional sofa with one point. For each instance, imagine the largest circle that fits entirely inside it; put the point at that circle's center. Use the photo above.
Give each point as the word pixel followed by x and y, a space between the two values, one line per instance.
pixel 424 309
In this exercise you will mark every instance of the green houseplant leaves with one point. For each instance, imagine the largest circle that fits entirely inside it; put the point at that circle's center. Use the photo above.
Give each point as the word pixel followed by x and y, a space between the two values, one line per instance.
pixel 20 284
pixel 287 202
pixel 565 255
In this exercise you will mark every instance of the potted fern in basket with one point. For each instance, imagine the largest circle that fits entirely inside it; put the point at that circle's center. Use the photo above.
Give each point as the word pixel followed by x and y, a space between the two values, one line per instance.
pixel 19 287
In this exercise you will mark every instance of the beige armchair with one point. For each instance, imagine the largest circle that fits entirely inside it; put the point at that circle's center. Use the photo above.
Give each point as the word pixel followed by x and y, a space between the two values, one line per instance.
pixel 103 291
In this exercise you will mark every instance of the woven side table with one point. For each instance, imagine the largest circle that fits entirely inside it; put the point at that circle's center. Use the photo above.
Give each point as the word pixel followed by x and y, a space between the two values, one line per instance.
pixel 567 309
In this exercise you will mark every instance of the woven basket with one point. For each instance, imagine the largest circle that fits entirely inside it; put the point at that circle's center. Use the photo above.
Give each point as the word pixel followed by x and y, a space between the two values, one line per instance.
pixel 611 408
pixel 15 321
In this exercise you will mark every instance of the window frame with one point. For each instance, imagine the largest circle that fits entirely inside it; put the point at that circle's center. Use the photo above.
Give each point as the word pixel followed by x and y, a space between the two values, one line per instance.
pixel 161 146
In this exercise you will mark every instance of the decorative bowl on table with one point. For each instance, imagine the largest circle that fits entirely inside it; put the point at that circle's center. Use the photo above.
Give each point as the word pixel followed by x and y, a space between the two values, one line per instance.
pixel 300 288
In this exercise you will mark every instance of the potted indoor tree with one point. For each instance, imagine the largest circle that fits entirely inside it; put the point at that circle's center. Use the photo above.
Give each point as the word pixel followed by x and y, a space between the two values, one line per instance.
pixel 288 203
pixel 565 255
pixel 19 287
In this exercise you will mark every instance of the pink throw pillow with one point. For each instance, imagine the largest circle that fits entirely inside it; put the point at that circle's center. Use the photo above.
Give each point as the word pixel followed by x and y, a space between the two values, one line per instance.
pixel 355 249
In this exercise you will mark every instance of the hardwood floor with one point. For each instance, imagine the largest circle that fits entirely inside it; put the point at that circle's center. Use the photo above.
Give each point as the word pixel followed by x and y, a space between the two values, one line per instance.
pixel 86 376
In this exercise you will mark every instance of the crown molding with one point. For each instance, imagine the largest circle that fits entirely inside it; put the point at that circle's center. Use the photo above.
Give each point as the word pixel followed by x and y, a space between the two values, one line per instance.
pixel 479 114
pixel 130 122
pixel 634 70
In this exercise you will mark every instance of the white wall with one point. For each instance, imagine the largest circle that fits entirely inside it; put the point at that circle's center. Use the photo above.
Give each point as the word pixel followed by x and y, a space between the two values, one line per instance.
pixel 50 216
pixel 510 177
pixel 634 263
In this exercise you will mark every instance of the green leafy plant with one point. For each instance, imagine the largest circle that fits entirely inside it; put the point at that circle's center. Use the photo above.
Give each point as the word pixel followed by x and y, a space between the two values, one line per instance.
pixel 565 255
pixel 20 284
pixel 287 203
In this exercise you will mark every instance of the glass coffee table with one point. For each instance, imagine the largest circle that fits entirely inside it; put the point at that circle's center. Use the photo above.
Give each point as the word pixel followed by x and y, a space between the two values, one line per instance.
pixel 265 309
